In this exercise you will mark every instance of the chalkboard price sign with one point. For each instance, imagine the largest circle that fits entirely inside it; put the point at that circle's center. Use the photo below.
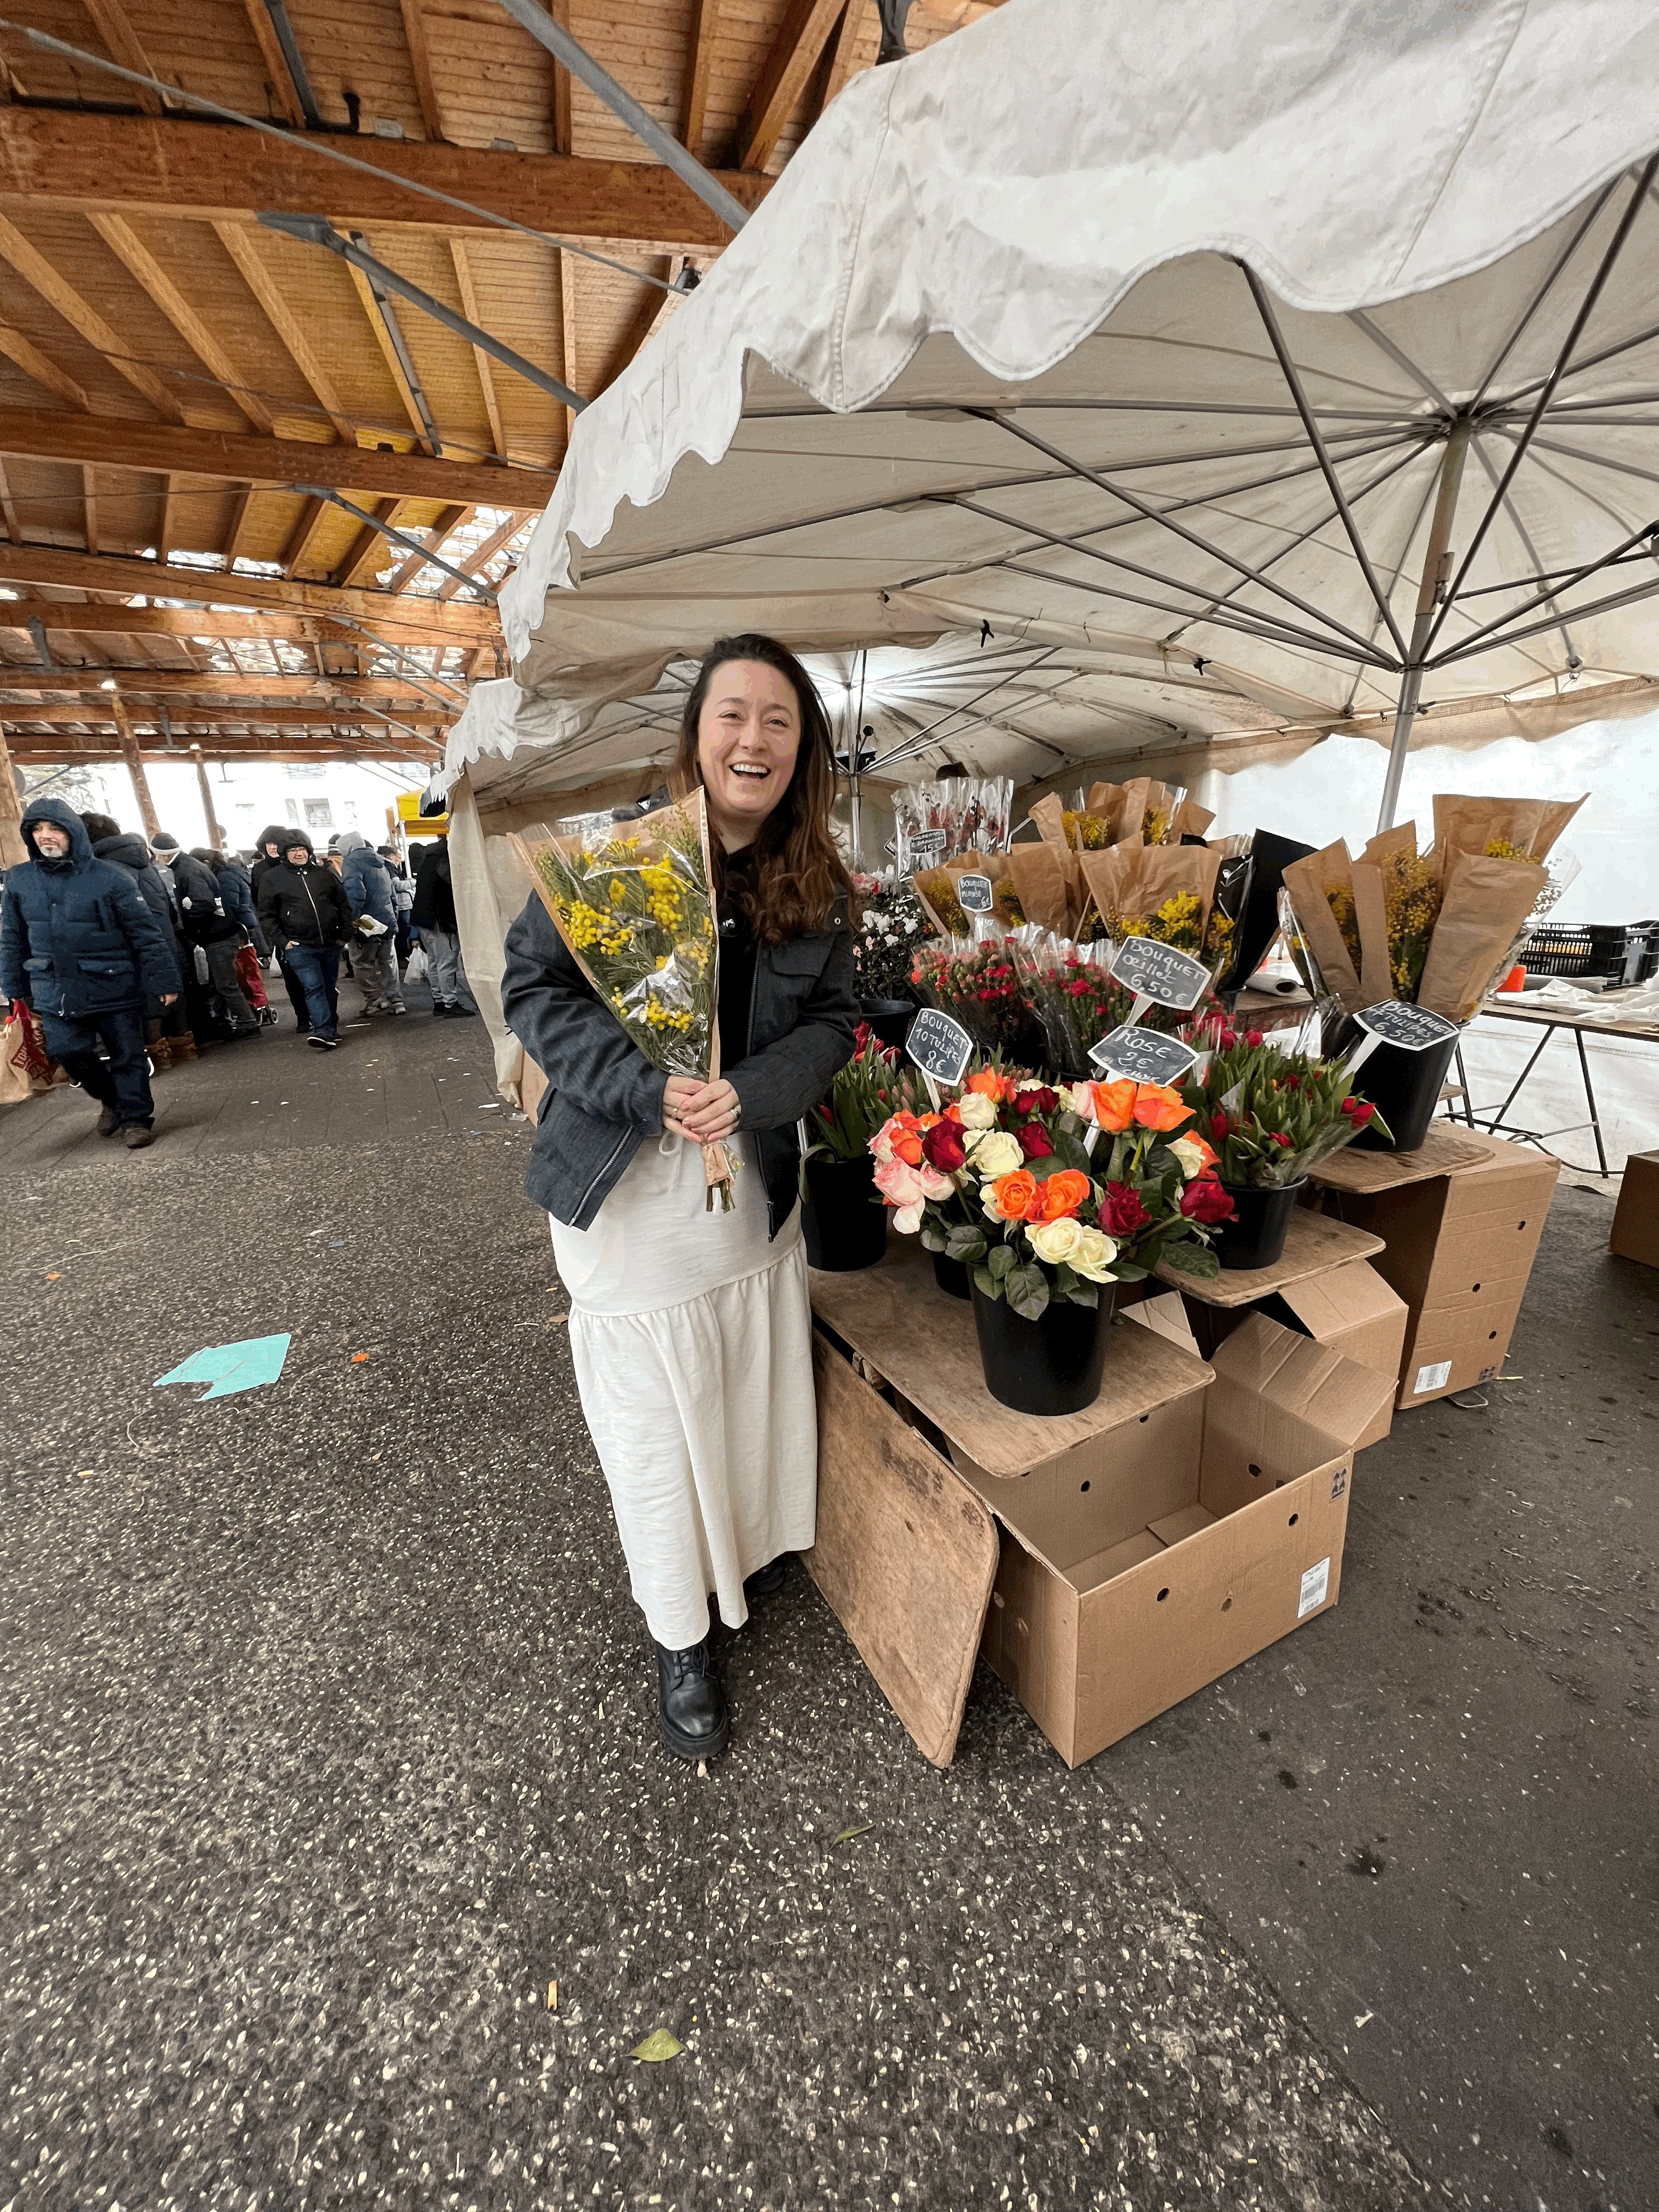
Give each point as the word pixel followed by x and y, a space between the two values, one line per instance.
pixel 925 846
pixel 975 894
pixel 1158 972
pixel 940 1047
pixel 1413 1028
pixel 1144 1055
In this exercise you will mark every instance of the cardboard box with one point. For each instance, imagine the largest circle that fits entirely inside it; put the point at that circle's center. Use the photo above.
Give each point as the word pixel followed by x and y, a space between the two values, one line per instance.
pixel 1458 1249
pixel 1350 1310
pixel 1636 1223
pixel 1178 1545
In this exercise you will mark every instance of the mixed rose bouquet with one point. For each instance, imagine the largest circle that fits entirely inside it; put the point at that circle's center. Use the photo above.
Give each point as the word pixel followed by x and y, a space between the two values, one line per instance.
pixel 1268 1117
pixel 1012 1179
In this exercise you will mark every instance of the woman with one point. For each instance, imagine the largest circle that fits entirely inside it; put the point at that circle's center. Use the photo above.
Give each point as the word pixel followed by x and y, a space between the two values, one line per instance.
pixel 691 1330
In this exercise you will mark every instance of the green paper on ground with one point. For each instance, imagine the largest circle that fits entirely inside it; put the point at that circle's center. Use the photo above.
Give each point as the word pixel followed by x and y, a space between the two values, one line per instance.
pixel 232 1367
pixel 658 2045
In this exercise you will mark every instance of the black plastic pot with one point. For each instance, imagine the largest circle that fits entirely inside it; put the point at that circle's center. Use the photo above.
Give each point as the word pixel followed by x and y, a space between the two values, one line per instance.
pixel 844 1221
pixel 889 1018
pixel 952 1276
pixel 1254 1237
pixel 1050 1365
pixel 1404 1088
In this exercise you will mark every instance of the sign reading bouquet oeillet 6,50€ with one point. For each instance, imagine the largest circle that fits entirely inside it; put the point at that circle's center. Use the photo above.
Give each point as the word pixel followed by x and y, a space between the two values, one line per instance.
pixel 1157 972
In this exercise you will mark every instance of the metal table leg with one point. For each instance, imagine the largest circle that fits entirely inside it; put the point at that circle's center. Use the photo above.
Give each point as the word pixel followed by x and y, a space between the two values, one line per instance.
pixel 1515 1093
pixel 1589 1097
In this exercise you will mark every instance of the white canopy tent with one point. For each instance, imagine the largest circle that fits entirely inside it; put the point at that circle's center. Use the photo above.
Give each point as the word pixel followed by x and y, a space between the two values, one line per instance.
pixel 1168 398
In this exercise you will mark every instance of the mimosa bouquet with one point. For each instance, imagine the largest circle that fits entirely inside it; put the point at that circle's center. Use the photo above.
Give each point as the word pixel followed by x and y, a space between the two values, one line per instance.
pixel 631 899
pixel 1014 1179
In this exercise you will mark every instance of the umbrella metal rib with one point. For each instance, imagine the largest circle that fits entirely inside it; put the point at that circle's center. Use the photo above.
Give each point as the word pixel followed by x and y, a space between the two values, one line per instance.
pixel 1586 308
pixel 1547 598
pixel 1543 293
pixel 1292 377
pixel 1154 514
pixel 1580 614
pixel 1362 321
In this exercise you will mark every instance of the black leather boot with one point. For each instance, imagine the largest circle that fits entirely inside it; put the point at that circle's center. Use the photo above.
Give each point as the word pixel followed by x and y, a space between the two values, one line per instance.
pixel 691 1719
pixel 767 1580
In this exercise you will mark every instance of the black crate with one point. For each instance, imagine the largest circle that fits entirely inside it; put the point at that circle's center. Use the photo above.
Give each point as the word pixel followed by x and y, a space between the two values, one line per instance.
pixel 1622 953
pixel 1559 949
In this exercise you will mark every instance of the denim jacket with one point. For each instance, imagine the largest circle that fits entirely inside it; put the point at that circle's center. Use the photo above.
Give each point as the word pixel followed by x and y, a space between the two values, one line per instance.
pixel 604 1097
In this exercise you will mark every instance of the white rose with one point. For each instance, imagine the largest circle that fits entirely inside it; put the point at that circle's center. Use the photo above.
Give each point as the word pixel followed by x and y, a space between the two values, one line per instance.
pixel 1190 1155
pixel 976 1111
pixel 1077 1097
pixel 1055 1241
pixel 995 1153
pixel 1095 1254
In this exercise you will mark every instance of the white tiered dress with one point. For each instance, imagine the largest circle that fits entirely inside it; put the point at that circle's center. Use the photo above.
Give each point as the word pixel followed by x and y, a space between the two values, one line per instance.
pixel 702 1410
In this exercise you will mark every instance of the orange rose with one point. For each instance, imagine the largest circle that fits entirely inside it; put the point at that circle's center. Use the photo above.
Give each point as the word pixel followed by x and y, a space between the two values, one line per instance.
pixel 1114 1104
pixel 1062 1194
pixel 1157 1107
pixel 904 1135
pixel 1015 1194
pixel 988 1080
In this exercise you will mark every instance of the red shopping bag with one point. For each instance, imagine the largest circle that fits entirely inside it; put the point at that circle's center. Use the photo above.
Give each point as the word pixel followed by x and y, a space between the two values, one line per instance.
pixel 251 976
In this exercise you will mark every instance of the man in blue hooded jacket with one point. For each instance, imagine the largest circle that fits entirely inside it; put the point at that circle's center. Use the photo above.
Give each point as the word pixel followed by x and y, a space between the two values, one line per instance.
pixel 79 948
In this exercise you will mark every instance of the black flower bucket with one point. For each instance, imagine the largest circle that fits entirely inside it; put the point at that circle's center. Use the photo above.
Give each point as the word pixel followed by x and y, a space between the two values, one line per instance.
pixel 1254 1237
pixel 844 1220
pixel 1050 1365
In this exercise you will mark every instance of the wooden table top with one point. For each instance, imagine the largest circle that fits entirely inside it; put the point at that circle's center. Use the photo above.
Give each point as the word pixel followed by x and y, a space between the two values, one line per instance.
pixel 897 1317
pixel 1314 1244
pixel 1439 1153
pixel 1513 1008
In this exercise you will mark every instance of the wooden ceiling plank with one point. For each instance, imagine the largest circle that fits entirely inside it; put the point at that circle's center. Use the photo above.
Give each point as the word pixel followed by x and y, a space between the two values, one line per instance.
pixel 783 80
pixel 238 457
pixel 276 68
pixel 122 44
pixel 183 713
pixel 842 51
pixel 94 618
pixel 167 540
pixel 124 242
pixel 371 307
pixel 237 239
pixel 33 362
pixel 166 166
pixel 420 58
pixel 485 366
pixel 653 310
pixel 313 515
pixel 231 544
pixel 568 330
pixel 699 58
pixel 8 511
pixel 369 545
pixel 33 267
pixel 433 535
pixel 161 681
pixel 89 508
pixel 484 552
pixel 562 143
pixel 406 620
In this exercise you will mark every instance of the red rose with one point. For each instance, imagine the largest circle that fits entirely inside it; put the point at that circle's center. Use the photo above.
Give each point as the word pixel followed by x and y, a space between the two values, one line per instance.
pixel 1219 1125
pixel 1121 1213
pixel 943 1148
pixel 1207 1201
pixel 1254 1037
pixel 1358 1111
pixel 1027 1103
pixel 1034 1141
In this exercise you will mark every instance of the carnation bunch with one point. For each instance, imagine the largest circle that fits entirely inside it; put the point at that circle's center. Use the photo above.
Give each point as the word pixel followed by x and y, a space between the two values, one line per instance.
pixel 1268 1116
pixel 980 984
pixel 1012 1179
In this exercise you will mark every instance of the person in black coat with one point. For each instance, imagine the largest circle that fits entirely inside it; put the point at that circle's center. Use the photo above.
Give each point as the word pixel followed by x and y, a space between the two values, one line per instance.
pixel 163 1024
pixel 203 922
pixel 269 856
pixel 434 915
pixel 304 912
pixel 79 948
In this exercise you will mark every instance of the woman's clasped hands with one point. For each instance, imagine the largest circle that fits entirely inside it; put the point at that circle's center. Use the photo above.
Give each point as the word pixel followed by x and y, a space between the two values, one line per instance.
pixel 701 1113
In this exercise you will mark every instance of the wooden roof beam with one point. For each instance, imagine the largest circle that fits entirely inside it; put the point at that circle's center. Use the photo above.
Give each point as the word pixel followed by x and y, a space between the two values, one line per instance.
pixel 123 45
pixel 9 512
pixel 237 239
pixel 314 513
pixel 433 534
pixel 279 78
pixel 383 321
pixel 420 61
pixel 475 560
pixel 150 683
pixel 795 55
pixel 124 241
pixel 237 457
pixel 33 362
pixel 840 53
pixel 370 549
pixel 206 713
pixel 179 168
pixel 33 267
pixel 699 60
pixel 403 621
pixel 105 617
pixel 486 368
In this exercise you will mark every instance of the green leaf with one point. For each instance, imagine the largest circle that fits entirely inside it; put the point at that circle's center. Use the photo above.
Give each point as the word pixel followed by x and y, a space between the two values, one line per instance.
pixel 1188 1258
pixel 1028 1292
pixel 1000 1259
pixel 1081 1292
pixel 658 2045
pixel 1128 1272
pixel 1070 1152
pixel 932 1236
pixel 989 1283
pixel 847 1834
pixel 965 1244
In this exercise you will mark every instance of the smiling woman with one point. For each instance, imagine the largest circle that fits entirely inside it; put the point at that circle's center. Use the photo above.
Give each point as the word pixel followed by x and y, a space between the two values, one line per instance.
pixel 690 1331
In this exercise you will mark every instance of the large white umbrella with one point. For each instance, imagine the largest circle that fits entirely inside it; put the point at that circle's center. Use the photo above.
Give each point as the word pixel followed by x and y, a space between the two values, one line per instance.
pixel 1246 373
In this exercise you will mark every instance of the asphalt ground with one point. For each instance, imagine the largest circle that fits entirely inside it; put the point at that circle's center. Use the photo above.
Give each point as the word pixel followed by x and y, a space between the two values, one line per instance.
pixel 327 1760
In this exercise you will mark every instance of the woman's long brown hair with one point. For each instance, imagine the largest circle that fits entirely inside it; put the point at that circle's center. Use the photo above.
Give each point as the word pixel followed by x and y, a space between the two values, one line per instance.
pixel 797 879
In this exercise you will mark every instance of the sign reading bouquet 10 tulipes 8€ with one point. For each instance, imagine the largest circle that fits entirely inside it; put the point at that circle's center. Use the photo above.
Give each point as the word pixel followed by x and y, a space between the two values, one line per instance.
pixel 939 1046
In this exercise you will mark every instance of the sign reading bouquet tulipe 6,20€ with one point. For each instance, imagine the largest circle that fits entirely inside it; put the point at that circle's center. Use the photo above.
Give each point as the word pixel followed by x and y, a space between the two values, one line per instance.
pixel 631 900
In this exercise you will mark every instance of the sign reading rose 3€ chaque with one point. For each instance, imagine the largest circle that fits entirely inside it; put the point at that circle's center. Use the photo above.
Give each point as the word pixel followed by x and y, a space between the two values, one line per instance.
pixel 1143 1055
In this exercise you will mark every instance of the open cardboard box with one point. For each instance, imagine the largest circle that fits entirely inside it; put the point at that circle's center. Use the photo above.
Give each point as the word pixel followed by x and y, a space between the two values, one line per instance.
pixel 1636 1220
pixel 1350 1310
pixel 1142 1566
pixel 1459 1249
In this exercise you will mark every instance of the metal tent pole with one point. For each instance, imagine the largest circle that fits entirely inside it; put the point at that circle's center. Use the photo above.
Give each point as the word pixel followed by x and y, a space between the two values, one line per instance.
pixel 1437 568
